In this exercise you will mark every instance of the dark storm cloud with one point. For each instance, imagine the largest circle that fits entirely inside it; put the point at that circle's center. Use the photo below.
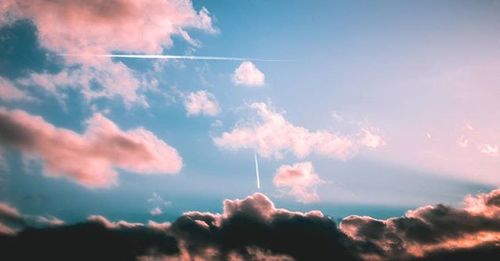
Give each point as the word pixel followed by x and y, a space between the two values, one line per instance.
pixel 254 229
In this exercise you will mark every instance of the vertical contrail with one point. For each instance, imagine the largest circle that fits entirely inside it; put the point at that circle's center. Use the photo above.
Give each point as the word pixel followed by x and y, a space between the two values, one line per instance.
pixel 257 170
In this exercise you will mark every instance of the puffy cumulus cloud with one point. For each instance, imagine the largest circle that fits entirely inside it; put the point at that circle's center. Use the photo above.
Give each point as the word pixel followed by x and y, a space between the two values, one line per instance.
pixel 255 223
pixel 12 221
pixel 90 158
pixel 101 27
pixel 298 180
pixel 272 136
pixel 436 230
pixel 254 229
pixel 248 74
pixel 8 92
pixel 201 102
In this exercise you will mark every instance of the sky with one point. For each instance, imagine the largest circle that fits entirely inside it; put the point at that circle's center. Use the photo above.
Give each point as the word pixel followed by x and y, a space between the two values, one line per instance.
pixel 368 108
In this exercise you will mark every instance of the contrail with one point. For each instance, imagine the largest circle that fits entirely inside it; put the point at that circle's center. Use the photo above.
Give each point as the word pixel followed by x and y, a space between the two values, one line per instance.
pixel 257 170
pixel 167 56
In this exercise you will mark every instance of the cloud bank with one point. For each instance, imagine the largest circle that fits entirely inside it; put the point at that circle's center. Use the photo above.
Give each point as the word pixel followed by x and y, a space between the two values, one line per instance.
pixel 254 229
pixel 273 136
pixel 90 158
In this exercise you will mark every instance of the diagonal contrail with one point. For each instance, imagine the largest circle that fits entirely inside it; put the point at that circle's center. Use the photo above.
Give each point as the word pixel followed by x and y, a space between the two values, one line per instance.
pixel 257 170
pixel 178 57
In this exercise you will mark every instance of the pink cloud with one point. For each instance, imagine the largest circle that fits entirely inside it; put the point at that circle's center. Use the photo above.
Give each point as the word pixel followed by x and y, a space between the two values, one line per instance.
pixel 488 149
pixel 116 79
pixel 201 102
pixel 101 27
pixel 430 228
pixel 299 180
pixel 104 26
pixel 249 75
pixel 8 92
pixel 89 159
pixel 273 135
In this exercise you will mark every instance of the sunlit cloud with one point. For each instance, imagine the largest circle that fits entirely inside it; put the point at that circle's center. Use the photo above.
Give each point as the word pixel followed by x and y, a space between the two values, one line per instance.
pixel 248 74
pixel 201 103
pixel 273 136
pixel 90 158
pixel 298 180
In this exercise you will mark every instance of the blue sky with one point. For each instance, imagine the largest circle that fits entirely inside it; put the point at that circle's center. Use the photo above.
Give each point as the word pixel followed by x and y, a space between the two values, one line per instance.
pixel 416 74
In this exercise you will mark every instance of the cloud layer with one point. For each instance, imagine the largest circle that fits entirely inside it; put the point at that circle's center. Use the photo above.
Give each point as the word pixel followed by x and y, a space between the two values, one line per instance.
pixel 273 136
pixel 298 180
pixel 254 229
pixel 90 158
pixel 247 74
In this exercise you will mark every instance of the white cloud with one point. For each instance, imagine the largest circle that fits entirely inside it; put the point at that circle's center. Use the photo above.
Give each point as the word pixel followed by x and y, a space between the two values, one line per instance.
pixel 249 75
pixel 273 136
pixel 201 102
pixel 298 180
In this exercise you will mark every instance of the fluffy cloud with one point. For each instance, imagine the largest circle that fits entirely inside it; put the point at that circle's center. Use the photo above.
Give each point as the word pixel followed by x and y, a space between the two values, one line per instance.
pixel 298 180
pixel 8 92
pixel 201 102
pixel 115 78
pixel 100 27
pixel 254 229
pixel 249 75
pixel 428 229
pixel 88 159
pixel 273 136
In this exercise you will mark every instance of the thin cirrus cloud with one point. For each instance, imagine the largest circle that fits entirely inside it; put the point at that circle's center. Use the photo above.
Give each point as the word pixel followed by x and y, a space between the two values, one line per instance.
pixel 89 159
pixel 253 228
pixel 113 23
pixel 298 180
pixel 201 103
pixel 247 74
pixel 273 136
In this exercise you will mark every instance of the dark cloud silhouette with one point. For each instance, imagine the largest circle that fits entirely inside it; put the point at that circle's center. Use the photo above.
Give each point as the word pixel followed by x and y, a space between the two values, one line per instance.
pixel 254 229
pixel 429 230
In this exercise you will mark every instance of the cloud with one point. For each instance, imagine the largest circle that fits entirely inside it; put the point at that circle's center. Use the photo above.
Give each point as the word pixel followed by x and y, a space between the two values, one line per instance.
pixel 254 229
pixel 298 180
pixel 112 23
pixel 102 27
pixel 201 102
pixel 8 92
pixel 89 159
pixel 155 211
pixel 94 239
pixel 256 222
pixel 488 149
pixel 12 221
pixel 428 229
pixel 116 79
pixel 273 136
pixel 248 74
